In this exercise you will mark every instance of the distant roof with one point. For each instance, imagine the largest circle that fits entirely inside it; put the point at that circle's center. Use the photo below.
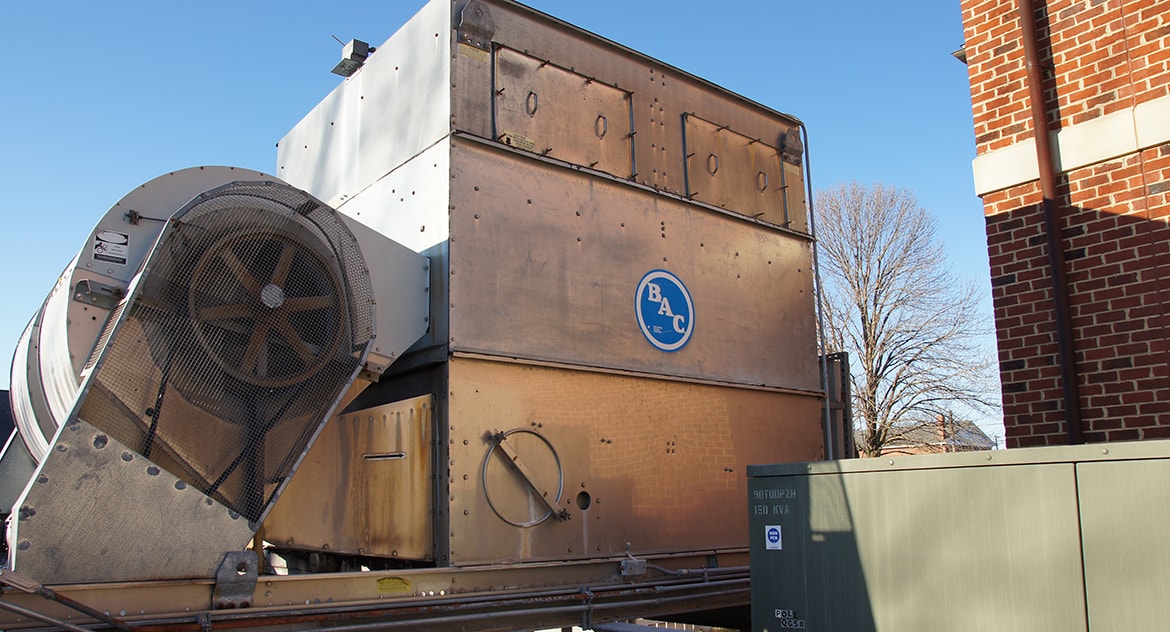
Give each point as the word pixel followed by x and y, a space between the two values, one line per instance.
pixel 960 433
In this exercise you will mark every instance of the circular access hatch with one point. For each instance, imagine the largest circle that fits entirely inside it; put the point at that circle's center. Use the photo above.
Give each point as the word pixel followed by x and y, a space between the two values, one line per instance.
pixel 522 478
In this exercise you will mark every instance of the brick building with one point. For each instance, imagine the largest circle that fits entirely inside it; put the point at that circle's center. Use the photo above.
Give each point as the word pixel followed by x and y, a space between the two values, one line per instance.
pixel 1100 369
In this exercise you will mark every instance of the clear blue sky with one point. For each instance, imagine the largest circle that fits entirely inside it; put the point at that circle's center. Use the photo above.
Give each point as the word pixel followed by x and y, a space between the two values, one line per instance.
pixel 101 97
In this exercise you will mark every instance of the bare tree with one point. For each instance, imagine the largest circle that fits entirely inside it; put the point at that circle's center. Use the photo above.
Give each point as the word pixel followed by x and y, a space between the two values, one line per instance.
pixel 912 328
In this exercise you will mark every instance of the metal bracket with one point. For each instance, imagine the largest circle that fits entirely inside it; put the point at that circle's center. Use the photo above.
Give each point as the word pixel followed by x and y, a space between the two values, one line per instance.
pixel 19 582
pixel 235 580
pixel 31 586
pixel 544 494
pixel 476 26
pixel 633 567
pixel 792 148
pixel 98 294
pixel 587 613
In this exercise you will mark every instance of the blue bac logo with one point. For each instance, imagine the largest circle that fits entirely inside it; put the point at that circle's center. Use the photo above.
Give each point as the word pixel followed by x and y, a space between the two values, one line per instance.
pixel 665 311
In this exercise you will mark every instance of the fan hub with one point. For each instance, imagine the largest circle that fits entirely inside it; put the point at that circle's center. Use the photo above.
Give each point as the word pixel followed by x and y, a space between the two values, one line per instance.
pixel 272 296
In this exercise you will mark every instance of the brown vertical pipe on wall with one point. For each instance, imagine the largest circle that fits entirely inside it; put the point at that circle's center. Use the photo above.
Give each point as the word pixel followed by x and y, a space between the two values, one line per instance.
pixel 1064 339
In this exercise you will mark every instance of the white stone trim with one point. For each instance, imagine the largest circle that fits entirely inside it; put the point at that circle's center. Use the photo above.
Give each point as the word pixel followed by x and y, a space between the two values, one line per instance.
pixel 1091 142
pixel 1096 140
pixel 1005 167
pixel 1152 121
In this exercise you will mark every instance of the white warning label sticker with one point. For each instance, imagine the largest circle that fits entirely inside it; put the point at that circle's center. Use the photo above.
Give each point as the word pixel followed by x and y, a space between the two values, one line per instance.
pixel 111 247
pixel 772 539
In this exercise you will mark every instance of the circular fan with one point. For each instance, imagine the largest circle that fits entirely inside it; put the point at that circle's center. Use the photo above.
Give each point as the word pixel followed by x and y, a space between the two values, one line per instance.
pixel 250 305
pixel 266 308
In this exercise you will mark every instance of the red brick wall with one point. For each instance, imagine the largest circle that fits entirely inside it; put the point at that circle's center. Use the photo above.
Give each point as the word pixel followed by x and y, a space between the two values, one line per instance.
pixel 1104 56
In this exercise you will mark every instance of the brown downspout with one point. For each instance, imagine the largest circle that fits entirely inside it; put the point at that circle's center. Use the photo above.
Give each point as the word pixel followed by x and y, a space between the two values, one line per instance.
pixel 1064 340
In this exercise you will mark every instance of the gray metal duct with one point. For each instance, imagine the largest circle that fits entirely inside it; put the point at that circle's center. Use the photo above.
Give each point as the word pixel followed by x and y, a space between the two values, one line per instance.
pixel 214 352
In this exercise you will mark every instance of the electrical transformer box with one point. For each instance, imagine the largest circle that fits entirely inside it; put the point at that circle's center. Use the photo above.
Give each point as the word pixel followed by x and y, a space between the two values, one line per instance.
pixel 1054 538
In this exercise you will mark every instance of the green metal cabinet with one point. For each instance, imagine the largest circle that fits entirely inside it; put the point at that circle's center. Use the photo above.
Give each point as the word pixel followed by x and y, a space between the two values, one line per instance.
pixel 1059 538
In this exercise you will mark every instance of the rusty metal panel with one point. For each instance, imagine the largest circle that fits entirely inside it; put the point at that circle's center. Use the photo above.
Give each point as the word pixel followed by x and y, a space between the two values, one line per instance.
pixel 471 72
pixel 546 264
pixel 597 104
pixel 555 112
pixel 659 93
pixel 364 488
pixel 795 204
pixel 570 269
pixel 656 464
pixel 733 171
pixel 590 96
